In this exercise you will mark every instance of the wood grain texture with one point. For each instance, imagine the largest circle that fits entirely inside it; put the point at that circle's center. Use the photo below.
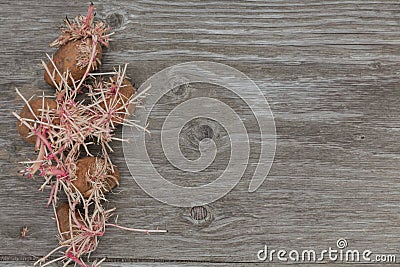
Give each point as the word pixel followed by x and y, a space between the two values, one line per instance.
pixel 130 264
pixel 330 71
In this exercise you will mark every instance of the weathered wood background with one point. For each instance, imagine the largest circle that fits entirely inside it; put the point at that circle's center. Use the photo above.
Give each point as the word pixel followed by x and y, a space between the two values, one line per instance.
pixel 330 71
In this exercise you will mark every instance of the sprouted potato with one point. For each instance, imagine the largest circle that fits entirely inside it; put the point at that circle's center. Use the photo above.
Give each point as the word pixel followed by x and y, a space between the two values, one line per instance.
pixel 63 130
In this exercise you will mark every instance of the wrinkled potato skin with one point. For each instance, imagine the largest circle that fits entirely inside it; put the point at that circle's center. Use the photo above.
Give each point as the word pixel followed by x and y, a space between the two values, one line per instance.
pixel 63 220
pixel 35 104
pixel 82 183
pixel 65 58
pixel 127 90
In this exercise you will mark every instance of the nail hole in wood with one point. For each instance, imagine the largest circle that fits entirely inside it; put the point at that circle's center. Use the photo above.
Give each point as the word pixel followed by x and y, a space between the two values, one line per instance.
pixel 180 90
pixel 204 131
pixel 115 20
pixel 198 213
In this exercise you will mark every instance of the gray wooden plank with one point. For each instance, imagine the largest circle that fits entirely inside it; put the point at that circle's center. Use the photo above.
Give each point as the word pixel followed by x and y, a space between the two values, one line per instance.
pixel 130 264
pixel 330 71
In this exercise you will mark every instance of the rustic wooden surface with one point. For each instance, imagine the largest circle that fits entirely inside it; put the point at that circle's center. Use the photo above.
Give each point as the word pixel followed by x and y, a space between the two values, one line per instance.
pixel 330 71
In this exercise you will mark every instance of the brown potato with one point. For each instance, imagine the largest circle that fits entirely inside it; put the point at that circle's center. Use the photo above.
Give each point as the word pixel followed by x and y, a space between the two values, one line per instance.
pixel 36 105
pixel 127 90
pixel 66 58
pixel 83 183
pixel 63 220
